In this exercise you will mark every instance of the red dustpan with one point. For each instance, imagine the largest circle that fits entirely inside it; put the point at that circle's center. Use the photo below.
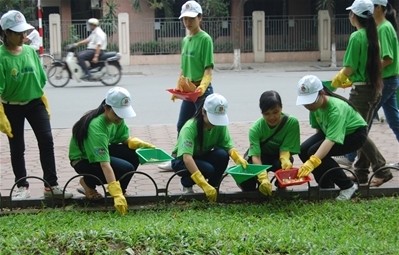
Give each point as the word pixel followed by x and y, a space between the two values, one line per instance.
pixel 188 96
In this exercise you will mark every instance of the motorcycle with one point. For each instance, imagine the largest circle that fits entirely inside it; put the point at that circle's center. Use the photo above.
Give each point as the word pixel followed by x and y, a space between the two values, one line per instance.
pixel 107 70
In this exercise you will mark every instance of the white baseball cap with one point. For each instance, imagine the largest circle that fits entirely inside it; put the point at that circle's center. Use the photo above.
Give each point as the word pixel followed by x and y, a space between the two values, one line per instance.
pixel 94 21
pixel 216 106
pixel 380 2
pixel 119 99
pixel 308 89
pixel 15 21
pixel 362 8
pixel 190 9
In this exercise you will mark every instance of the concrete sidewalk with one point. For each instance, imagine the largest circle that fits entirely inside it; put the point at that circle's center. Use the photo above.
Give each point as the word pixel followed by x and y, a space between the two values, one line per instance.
pixel 163 136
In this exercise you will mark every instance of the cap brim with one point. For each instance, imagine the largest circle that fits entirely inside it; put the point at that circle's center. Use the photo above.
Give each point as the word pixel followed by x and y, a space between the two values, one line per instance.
pixel 125 112
pixel 189 14
pixel 349 8
pixel 307 99
pixel 218 119
pixel 21 28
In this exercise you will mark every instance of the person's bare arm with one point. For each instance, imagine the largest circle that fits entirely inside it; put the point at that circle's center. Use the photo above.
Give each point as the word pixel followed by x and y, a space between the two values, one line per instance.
pixel 108 172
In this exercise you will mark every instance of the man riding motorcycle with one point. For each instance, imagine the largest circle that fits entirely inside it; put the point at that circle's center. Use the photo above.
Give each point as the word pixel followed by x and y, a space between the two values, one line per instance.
pixel 96 44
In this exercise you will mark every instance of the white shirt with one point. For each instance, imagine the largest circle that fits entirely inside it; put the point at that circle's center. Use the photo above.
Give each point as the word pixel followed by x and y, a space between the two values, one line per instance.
pixel 34 39
pixel 97 37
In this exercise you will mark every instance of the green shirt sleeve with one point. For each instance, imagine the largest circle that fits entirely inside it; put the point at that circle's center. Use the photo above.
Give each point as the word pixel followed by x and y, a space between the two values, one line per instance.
pixel 96 144
pixel 186 141
pixel 254 140
pixel 352 53
pixel 226 141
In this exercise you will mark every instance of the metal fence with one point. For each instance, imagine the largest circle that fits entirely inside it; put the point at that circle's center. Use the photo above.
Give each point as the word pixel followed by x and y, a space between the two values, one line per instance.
pixel 164 36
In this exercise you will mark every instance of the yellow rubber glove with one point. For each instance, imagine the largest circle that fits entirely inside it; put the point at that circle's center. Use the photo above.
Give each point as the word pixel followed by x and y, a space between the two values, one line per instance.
pixel 206 80
pixel 5 125
pixel 209 191
pixel 265 187
pixel 285 160
pixel 309 166
pixel 46 104
pixel 237 158
pixel 341 80
pixel 135 143
pixel 114 188
pixel 185 85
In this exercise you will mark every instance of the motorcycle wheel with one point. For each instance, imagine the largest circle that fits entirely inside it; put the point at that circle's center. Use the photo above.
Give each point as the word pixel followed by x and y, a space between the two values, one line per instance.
pixel 112 76
pixel 59 76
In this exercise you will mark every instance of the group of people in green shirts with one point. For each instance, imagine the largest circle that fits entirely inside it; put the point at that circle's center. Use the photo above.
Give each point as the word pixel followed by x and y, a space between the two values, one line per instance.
pixel 102 149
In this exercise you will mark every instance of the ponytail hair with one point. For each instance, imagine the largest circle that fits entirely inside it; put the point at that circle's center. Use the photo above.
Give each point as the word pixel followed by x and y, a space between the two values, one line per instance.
pixel 328 92
pixel 200 125
pixel 390 15
pixel 80 129
pixel 373 65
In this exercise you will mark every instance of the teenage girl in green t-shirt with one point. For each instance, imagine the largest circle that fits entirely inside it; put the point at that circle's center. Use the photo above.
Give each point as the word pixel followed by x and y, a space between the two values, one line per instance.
pixel 340 129
pixel 278 150
pixel 22 80
pixel 101 146
pixel 203 148
pixel 362 70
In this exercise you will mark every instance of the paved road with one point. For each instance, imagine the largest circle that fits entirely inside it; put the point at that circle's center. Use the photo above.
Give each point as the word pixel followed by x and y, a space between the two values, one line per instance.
pixel 153 105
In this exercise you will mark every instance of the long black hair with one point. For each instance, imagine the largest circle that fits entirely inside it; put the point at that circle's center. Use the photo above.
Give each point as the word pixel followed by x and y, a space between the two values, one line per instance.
pixel 390 15
pixel 269 100
pixel 328 92
pixel 80 129
pixel 199 118
pixel 373 65
pixel 3 34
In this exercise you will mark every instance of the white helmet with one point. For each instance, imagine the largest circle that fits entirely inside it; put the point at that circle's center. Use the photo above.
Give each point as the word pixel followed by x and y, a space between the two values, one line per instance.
pixel 93 21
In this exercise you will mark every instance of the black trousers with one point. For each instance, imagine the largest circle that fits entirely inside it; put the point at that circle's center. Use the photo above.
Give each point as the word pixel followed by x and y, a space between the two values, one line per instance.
pixel 83 56
pixel 351 143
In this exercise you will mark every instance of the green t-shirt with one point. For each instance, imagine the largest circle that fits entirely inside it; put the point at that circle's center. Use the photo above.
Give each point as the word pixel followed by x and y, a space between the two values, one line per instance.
pixel 389 48
pixel 216 137
pixel 22 77
pixel 356 55
pixel 100 135
pixel 196 55
pixel 336 120
pixel 287 139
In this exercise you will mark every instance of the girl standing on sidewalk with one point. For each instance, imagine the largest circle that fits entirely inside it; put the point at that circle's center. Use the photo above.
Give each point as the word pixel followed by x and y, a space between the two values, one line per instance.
pixel 196 64
pixel 385 18
pixel 203 147
pixel 340 129
pixel 362 71
pixel 273 139
pixel 101 146
pixel 22 97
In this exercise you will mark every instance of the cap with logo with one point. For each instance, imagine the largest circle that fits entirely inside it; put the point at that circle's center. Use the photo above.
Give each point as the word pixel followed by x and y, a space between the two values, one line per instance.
pixel 15 21
pixel 216 106
pixel 308 89
pixel 380 2
pixel 362 8
pixel 190 9
pixel 119 99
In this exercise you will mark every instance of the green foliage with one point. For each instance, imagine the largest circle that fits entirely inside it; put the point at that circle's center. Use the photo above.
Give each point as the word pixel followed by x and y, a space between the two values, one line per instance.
pixel 28 8
pixel 155 48
pixel 214 8
pixel 325 5
pixel 109 22
pixel 276 227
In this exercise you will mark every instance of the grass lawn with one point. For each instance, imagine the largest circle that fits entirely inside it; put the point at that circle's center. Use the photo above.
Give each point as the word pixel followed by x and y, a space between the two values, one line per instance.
pixel 275 227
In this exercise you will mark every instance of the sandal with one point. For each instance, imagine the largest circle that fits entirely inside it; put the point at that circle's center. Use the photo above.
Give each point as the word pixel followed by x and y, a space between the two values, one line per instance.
pixel 91 194
pixel 377 181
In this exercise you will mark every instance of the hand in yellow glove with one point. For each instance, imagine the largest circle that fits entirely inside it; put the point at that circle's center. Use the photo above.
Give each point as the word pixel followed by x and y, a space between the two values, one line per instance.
pixel 185 85
pixel 237 158
pixel 341 80
pixel 285 160
pixel 209 191
pixel 135 143
pixel 114 188
pixel 309 166
pixel 206 80
pixel 265 187
pixel 5 125
pixel 46 104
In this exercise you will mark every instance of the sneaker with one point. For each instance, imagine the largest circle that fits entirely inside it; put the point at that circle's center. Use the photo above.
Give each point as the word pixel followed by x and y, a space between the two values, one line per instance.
pixel 347 194
pixel 343 161
pixel 57 191
pixel 21 193
pixel 188 190
pixel 167 166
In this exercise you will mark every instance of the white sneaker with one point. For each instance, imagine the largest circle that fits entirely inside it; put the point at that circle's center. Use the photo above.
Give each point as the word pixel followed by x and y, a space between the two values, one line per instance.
pixel 347 194
pixel 343 161
pixel 166 166
pixel 188 190
pixel 57 191
pixel 21 193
